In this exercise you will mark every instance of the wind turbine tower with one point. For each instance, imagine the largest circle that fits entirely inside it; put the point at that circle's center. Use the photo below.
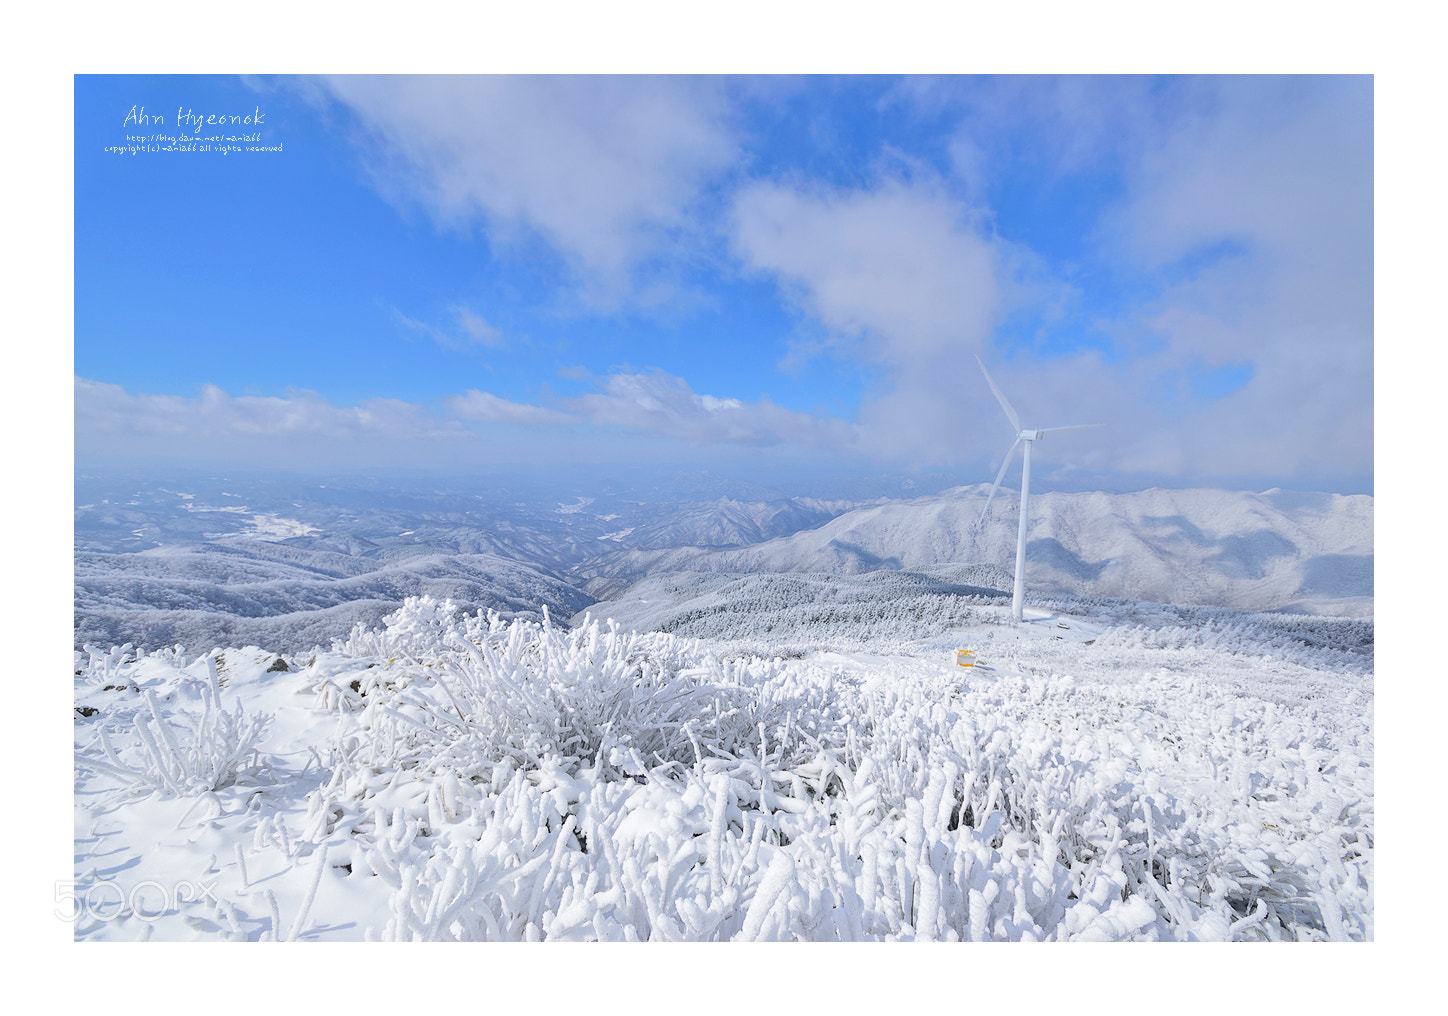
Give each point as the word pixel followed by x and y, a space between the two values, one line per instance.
pixel 1023 437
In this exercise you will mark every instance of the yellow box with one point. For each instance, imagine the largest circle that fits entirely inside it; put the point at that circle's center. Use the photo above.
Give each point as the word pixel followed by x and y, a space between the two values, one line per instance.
pixel 965 657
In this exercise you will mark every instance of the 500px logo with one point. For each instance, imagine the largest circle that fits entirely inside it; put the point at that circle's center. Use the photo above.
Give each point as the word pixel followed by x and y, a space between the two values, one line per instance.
pixel 145 901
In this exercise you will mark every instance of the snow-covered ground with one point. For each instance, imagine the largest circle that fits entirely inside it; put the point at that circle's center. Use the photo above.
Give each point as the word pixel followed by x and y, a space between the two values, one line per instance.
pixel 1102 773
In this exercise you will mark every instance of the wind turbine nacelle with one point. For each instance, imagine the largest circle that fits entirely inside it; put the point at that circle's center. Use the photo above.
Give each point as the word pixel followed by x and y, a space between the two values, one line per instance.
pixel 1032 435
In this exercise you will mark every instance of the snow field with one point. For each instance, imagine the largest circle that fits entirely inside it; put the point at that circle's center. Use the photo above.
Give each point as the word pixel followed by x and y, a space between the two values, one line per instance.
pixel 446 778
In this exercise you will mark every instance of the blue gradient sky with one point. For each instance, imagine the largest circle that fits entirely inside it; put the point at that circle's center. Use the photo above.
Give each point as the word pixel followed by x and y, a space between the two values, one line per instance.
pixel 785 271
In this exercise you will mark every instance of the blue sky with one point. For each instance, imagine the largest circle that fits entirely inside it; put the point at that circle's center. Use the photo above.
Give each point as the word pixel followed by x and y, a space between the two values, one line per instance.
pixel 781 271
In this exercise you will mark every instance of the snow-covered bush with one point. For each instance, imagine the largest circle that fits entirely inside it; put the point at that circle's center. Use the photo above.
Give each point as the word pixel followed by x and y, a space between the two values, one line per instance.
pixel 474 778
pixel 598 695
pixel 470 692
pixel 207 752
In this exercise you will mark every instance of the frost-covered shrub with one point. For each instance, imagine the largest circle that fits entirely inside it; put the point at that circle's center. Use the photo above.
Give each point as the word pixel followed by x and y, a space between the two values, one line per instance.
pixel 207 752
pixel 555 795
pixel 487 779
pixel 598 695
pixel 420 626
pixel 472 691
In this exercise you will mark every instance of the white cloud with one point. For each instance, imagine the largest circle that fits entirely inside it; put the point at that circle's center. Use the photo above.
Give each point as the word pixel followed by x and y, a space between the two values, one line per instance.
pixel 604 169
pixel 665 405
pixel 488 408
pixel 1058 125
pixel 889 271
pixel 300 429
pixel 627 414
pixel 1244 225
pixel 104 407
pixel 1281 170
pixel 902 277
pixel 470 330
pixel 477 330
pixel 659 405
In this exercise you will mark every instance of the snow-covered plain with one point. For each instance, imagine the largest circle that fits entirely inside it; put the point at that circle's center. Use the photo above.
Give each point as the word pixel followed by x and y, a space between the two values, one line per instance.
pixel 1109 770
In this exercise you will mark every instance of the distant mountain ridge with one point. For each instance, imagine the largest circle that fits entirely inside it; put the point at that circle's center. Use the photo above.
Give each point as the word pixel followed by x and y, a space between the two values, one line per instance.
pixel 290 567
pixel 729 523
pixel 1275 550
pixel 288 599
pixel 279 563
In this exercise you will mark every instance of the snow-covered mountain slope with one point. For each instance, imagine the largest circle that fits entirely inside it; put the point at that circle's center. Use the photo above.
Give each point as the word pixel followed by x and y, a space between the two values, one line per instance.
pixel 1270 551
pixel 786 613
pixel 286 598
pixel 279 562
pixel 731 523
pixel 888 611
pixel 555 527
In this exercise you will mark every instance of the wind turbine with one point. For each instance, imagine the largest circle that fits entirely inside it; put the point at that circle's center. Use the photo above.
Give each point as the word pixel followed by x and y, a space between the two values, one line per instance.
pixel 1027 438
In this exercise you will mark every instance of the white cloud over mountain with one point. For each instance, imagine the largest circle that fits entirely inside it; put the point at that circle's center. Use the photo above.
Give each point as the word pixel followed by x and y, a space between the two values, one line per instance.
pixel 602 169
pixel 216 426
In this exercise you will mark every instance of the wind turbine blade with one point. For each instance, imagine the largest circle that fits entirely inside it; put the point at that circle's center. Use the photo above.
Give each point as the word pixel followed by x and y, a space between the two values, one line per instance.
pixel 996 486
pixel 1010 413
pixel 1079 426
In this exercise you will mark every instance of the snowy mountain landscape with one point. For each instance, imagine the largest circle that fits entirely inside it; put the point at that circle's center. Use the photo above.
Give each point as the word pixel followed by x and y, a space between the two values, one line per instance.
pixel 711 507
pixel 347 713
pixel 290 566
pixel 1269 551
